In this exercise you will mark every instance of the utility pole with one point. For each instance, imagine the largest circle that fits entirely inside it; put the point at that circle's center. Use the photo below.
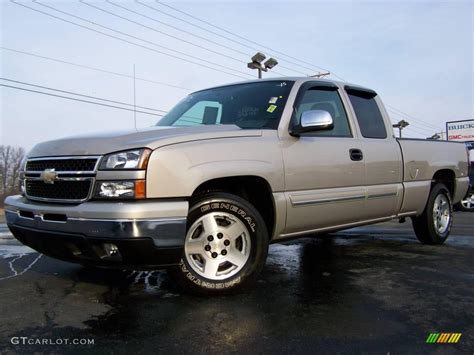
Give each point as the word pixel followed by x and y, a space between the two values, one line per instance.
pixel 400 125
pixel 257 63
pixel 134 99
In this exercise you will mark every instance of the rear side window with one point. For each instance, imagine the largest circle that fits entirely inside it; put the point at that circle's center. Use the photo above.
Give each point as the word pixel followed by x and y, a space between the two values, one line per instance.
pixel 368 114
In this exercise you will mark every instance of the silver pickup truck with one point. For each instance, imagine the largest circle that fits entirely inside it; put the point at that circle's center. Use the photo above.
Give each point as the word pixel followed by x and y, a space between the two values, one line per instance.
pixel 226 172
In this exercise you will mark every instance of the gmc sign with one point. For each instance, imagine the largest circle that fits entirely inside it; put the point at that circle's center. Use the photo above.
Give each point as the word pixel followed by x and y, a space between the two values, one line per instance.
pixel 460 131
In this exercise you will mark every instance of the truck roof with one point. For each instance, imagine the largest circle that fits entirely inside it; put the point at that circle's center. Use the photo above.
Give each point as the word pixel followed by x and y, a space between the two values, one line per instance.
pixel 297 79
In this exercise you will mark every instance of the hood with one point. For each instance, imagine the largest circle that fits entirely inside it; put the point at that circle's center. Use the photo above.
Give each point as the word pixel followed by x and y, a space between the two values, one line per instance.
pixel 154 137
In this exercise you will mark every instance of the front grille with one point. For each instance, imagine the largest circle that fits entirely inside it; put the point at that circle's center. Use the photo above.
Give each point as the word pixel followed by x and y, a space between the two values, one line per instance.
pixel 62 164
pixel 60 190
pixel 60 179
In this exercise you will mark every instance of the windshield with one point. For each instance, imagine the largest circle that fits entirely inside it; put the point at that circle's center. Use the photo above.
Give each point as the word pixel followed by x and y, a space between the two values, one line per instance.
pixel 254 105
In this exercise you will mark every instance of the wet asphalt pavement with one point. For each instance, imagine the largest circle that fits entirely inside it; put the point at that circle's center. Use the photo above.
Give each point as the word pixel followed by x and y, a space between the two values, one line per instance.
pixel 373 289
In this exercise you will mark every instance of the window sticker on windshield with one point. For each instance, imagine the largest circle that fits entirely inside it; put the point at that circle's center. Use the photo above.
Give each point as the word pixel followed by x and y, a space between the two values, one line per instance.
pixel 271 108
pixel 273 100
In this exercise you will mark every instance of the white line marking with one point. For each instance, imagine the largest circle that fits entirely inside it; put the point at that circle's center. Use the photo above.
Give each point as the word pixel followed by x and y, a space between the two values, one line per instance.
pixel 16 273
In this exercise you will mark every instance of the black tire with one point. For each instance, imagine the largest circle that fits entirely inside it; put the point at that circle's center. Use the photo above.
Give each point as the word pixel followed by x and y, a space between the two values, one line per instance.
pixel 425 224
pixel 240 210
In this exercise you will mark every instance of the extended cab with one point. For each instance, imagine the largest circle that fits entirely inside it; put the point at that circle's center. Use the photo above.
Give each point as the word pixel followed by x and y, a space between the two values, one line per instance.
pixel 226 172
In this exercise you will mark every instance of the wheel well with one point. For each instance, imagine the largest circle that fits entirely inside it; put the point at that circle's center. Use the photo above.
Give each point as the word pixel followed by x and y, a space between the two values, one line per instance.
pixel 446 177
pixel 254 189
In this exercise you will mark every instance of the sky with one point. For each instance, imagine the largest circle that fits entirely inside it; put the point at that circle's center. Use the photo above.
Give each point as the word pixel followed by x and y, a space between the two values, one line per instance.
pixel 418 56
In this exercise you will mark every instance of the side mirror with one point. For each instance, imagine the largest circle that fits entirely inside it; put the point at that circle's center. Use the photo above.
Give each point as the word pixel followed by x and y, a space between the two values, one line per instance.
pixel 313 120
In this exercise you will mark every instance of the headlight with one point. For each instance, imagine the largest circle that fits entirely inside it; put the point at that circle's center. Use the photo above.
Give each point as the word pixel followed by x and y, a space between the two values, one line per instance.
pixel 136 159
pixel 120 189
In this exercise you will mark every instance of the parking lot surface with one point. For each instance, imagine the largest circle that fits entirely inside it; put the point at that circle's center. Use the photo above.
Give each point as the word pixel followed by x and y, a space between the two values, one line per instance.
pixel 372 289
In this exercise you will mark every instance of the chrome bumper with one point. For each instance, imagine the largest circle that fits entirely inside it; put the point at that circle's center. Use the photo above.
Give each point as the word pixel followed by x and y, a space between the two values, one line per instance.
pixel 164 222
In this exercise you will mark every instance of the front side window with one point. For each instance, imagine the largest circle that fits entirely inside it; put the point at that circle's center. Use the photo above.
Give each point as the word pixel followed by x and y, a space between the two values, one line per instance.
pixel 257 105
pixel 368 114
pixel 326 99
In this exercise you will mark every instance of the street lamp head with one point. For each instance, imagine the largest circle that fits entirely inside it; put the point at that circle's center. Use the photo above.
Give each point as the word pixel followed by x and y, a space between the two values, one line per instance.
pixel 254 65
pixel 403 123
pixel 270 63
pixel 259 57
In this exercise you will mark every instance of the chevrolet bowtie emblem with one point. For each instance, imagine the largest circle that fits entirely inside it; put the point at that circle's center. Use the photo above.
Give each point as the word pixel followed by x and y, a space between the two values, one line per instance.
pixel 48 176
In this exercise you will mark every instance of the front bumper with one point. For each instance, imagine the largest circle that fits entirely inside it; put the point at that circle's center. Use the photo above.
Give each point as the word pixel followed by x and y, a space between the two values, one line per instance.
pixel 145 234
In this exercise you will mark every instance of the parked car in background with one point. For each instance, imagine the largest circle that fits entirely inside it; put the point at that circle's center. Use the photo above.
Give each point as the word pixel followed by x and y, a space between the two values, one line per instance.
pixel 467 204
pixel 226 172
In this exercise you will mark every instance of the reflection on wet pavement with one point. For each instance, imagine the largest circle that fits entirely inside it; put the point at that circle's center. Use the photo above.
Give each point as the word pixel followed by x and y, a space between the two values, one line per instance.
pixel 354 291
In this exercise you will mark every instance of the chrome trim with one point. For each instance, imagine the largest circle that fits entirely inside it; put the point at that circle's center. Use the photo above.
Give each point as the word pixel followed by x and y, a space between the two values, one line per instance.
pixel 20 216
pixel 125 220
pixel 407 214
pixel 145 209
pixel 61 172
pixel 341 199
pixel 48 221
pixel 165 232
pixel 334 228
pixel 61 178
pixel 70 157
pixel 326 200
pixel 92 180
pixel 388 194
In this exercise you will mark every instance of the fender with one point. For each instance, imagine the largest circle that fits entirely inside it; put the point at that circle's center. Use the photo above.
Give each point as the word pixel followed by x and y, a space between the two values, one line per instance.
pixel 176 170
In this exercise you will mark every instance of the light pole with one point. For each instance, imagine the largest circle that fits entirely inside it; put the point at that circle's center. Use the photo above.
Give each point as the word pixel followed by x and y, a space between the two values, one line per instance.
pixel 320 75
pixel 257 63
pixel 400 125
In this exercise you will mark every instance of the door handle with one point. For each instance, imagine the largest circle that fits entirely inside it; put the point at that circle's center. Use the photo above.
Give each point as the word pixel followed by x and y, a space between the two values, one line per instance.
pixel 356 154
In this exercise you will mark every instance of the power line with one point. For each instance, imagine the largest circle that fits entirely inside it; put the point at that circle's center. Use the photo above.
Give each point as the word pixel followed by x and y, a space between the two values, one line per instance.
pixel 138 38
pixel 162 112
pixel 414 119
pixel 79 100
pixel 233 34
pixel 392 108
pixel 165 34
pixel 414 125
pixel 419 131
pixel 81 95
pixel 93 68
pixel 130 42
pixel 126 41
pixel 411 128
pixel 191 34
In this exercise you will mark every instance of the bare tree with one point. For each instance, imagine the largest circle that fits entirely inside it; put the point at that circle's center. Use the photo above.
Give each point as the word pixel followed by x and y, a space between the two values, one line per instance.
pixel 10 166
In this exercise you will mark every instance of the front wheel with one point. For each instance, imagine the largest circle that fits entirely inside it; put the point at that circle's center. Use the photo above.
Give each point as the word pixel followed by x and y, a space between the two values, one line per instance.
pixel 434 224
pixel 225 247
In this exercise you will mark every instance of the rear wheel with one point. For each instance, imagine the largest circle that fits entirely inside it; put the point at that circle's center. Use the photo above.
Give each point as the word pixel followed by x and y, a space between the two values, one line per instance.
pixel 468 203
pixel 434 224
pixel 225 246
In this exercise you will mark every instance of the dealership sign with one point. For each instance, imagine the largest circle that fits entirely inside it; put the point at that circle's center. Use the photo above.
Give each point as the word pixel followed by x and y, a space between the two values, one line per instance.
pixel 460 131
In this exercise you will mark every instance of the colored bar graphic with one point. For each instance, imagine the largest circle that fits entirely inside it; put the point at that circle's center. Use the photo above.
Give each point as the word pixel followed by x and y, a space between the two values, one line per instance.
pixel 443 338
pixel 432 338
